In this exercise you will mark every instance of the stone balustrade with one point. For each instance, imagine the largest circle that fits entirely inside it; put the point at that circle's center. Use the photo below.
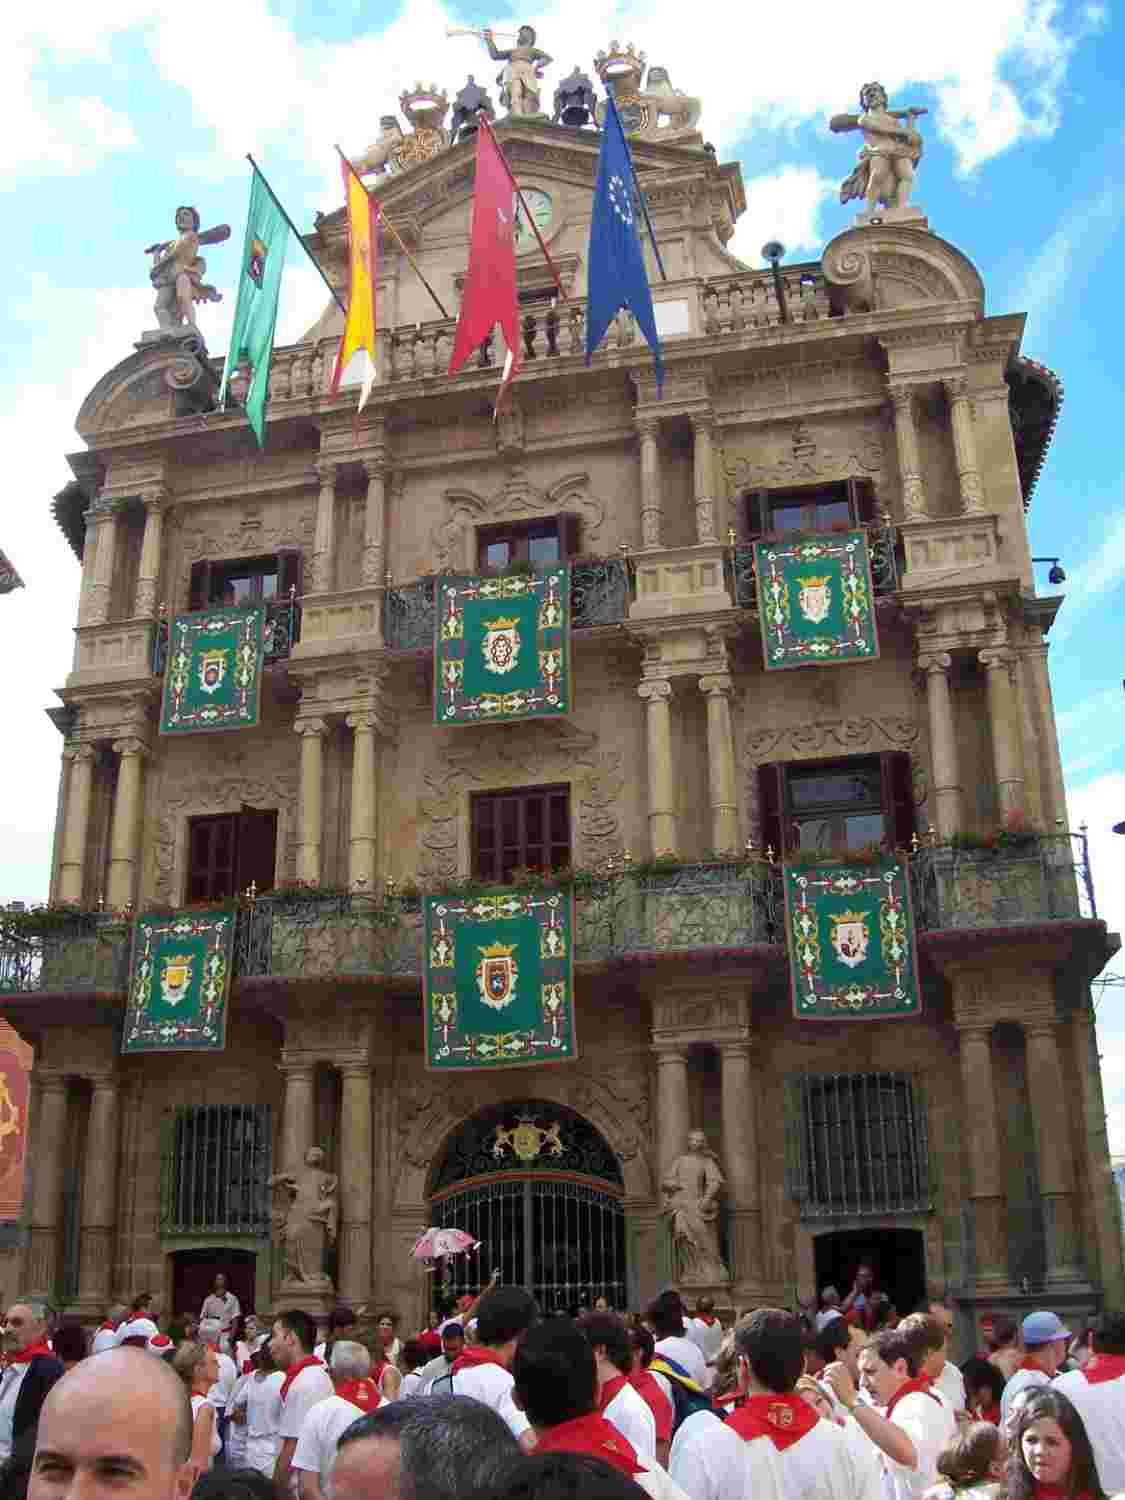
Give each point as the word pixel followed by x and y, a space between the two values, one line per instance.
pixel 733 304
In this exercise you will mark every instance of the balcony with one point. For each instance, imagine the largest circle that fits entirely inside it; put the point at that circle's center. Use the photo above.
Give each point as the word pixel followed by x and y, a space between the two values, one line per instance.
pixel 884 548
pixel 63 952
pixel 1032 879
pixel 280 633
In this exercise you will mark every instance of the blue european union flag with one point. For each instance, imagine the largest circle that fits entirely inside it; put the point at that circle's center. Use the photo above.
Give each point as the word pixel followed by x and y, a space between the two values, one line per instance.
pixel 616 265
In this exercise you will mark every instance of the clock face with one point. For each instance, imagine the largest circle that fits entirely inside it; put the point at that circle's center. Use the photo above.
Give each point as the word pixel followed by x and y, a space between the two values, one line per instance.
pixel 542 209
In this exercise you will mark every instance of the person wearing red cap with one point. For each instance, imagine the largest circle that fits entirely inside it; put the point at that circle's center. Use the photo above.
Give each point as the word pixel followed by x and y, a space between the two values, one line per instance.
pixel 105 1336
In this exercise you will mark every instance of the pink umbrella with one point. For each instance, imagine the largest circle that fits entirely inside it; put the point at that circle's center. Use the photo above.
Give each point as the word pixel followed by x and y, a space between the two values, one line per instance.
pixel 436 1244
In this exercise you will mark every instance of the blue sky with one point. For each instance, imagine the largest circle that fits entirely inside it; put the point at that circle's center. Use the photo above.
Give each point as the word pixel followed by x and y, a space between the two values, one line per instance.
pixel 112 114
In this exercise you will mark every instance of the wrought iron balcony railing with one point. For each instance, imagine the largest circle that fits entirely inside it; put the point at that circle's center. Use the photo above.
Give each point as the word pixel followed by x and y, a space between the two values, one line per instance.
pixel 1031 879
pixel 281 632
pixel 601 591
pixel 62 951
pixel 884 548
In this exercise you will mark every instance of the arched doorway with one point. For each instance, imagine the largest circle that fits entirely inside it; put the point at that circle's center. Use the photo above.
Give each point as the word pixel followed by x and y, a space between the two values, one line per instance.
pixel 545 1200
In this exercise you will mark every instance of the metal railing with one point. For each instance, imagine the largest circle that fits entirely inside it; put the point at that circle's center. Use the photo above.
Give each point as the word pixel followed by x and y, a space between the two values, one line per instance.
pixel 884 549
pixel 1033 878
pixel 62 951
pixel 281 631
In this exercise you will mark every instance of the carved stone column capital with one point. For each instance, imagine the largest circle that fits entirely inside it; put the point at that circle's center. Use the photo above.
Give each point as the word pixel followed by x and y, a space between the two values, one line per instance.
pixel 996 659
pixel 364 721
pixel 935 662
pixel 956 387
pixel 131 745
pixel 656 690
pixel 376 465
pixel 354 1068
pixel 720 686
pixel 741 1047
pixel 902 397
pixel 1042 1029
pixel 85 754
pixel 702 421
pixel 103 1080
pixel 155 498
pixel 670 1054
pixel 326 471
pixel 647 428
pixel 973 1032
pixel 310 726
pixel 294 1071
pixel 50 1080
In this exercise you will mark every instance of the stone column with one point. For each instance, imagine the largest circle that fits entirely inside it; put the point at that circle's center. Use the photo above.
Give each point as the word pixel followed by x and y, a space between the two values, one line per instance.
pixel 986 1189
pixel 657 696
pixel 99 589
pixel 740 1158
pixel 324 540
pixel 1054 791
pixel 312 797
pixel 965 444
pixel 355 1183
pixel 72 871
pixel 99 1193
pixel 1050 1116
pixel 703 427
pixel 375 521
pixel 363 839
pixel 909 464
pixel 720 761
pixel 49 1142
pixel 673 1113
pixel 298 1120
pixel 148 573
pixel 943 742
pixel 125 834
pixel 651 503
pixel 1006 758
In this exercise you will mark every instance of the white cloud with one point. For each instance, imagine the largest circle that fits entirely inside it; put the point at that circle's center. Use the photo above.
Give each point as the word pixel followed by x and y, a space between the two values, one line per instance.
pixel 783 205
pixel 1079 240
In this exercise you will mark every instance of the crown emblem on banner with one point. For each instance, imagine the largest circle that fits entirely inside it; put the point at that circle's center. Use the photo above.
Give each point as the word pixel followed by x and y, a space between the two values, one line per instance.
pixel 620 63
pixel 499 950
pixel 809 582
pixel 848 916
pixel 502 624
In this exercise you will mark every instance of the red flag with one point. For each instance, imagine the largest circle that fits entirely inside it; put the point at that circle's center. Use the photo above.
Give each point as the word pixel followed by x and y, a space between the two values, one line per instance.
pixel 490 287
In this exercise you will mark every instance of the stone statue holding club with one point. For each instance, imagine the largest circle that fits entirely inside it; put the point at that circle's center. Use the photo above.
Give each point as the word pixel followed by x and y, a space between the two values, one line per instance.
pixel 891 150
pixel 177 271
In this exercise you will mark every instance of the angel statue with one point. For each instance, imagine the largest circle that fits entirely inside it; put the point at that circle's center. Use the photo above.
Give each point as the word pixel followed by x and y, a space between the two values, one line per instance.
pixel 177 271
pixel 891 150
pixel 520 80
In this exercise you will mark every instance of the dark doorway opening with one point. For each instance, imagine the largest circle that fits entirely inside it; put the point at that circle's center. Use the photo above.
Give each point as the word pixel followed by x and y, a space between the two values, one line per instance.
pixel 897 1257
pixel 194 1271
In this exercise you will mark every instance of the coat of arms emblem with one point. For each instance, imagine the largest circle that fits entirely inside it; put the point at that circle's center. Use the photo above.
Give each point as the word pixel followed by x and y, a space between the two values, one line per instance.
pixel 212 669
pixel 175 977
pixel 501 645
pixel 528 1140
pixel 496 975
pixel 814 596
pixel 850 937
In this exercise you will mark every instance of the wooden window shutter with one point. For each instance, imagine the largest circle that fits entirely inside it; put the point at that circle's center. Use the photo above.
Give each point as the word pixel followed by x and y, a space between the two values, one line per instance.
pixel 861 497
pixel 570 536
pixel 757 513
pixel 771 808
pixel 289 572
pixel 199 594
pixel 898 797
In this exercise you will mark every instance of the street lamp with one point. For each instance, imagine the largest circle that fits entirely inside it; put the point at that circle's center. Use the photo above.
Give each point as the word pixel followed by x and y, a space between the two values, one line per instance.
pixel 773 251
pixel 1057 574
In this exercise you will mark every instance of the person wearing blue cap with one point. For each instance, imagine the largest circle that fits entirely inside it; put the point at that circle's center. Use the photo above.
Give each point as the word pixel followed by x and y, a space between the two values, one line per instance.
pixel 1045 1342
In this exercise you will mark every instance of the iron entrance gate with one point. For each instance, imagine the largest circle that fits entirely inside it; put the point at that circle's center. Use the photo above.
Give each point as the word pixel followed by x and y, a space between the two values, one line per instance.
pixel 556 1228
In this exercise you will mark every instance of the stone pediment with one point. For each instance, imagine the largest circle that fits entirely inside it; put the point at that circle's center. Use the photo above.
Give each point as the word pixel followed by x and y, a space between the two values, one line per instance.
pixel 165 378
pixel 886 266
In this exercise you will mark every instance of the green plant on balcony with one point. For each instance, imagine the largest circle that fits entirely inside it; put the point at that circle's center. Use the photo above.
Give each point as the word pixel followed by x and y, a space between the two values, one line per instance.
pixel 1015 833
pixel 865 855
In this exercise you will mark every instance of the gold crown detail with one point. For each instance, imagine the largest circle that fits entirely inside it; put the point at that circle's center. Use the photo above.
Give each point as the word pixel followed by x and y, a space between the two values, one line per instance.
pixel 501 624
pixel 815 583
pixel 178 960
pixel 850 916
pixel 498 950
pixel 619 60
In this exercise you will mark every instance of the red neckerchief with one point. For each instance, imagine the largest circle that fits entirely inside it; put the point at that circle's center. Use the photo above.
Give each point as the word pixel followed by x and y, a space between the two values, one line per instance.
pixel 376 1373
pixel 707 1318
pixel 1027 1363
pixel 473 1355
pixel 107 1328
pixel 918 1383
pixel 611 1389
pixel 1102 1367
pixel 783 1419
pixel 25 1356
pixel 294 1370
pixel 648 1388
pixel 990 1414
pixel 590 1434
pixel 247 1366
pixel 1056 1492
pixel 363 1393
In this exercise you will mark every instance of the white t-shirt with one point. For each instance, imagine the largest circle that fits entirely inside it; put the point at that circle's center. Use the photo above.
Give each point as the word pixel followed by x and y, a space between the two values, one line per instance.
pixel 819 1466
pixel 411 1385
pixel 216 1442
pixel 656 1482
pixel 1102 1409
pixel 685 1353
pixel 220 1393
pixel 951 1383
pixel 492 1384
pixel 707 1336
pixel 825 1316
pixel 313 1384
pixel 263 1416
pixel 1019 1382
pixel 631 1414
pixel 709 1461
pixel 927 1419
pixel 320 1433
pixel 223 1309
pixel 866 1458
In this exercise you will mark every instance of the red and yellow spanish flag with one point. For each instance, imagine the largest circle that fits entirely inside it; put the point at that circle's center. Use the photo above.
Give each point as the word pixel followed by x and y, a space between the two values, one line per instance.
pixel 359 330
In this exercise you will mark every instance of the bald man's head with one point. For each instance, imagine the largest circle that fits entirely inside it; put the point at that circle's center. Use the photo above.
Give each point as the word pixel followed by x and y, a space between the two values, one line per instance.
pixel 119 1421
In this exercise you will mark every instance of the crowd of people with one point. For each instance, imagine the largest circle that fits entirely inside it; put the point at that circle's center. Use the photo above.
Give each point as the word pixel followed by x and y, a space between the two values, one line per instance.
pixel 494 1401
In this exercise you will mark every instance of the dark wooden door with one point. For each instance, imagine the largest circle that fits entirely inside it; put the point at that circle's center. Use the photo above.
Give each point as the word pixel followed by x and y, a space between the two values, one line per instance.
pixel 194 1272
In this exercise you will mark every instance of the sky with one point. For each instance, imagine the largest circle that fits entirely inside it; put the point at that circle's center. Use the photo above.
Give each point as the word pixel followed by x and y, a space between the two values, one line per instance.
pixel 113 113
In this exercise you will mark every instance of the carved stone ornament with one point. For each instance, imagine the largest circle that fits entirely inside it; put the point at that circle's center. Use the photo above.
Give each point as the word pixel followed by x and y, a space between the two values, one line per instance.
pixel 884 266
pixel 804 456
pixel 516 498
pixel 654 112
pixel 425 107
pixel 528 1141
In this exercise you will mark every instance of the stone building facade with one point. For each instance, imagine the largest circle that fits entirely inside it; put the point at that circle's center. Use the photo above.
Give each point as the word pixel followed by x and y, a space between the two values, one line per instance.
pixel 962 1149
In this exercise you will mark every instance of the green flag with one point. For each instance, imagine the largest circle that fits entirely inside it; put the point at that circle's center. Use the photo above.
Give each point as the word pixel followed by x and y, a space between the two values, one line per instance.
pixel 255 313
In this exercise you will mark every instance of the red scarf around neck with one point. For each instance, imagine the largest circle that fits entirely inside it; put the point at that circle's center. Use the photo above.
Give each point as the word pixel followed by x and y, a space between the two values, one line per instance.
pixel 1056 1492
pixel 610 1389
pixel 107 1328
pixel 708 1318
pixel 918 1383
pixel 363 1393
pixel 25 1356
pixel 1102 1367
pixel 1027 1363
pixel 590 1434
pixel 649 1389
pixel 783 1419
pixel 294 1370
pixel 474 1355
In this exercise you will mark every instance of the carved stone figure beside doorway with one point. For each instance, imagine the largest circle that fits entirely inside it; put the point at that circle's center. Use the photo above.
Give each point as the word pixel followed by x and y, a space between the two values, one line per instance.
pixel 692 1188
pixel 308 1225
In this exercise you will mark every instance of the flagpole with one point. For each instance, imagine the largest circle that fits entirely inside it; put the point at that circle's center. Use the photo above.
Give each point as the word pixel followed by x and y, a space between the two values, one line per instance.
pixel 297 232
pixel 386 223
pixel 482 119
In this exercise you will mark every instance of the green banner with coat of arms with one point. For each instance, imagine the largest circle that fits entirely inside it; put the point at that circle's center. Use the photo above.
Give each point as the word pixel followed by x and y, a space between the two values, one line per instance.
pixel 499 974
pixel 502 648
pixel 815 601
pixel 213 679
pixel 179 980
pixel 850 936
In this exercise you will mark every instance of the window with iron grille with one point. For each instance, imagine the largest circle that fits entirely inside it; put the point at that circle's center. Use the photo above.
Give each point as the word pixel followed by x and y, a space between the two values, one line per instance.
pixel 216 1165
pixel 857 1145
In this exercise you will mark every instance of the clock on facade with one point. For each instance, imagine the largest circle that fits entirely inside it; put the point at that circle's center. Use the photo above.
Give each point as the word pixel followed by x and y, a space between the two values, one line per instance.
pixel 542 209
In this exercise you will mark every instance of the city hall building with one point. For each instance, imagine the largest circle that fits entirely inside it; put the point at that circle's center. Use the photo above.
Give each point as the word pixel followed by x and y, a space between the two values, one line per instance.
pixel 960 1147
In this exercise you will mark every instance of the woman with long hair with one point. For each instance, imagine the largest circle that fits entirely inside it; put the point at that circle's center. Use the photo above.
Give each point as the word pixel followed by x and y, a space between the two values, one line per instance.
pixel 1051 1457
pixel 198 1368
pixel 972 1467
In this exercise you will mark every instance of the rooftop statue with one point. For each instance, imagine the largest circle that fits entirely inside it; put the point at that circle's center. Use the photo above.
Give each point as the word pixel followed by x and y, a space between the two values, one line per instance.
pixel 425 107
pixel 471 101
pixel 575 99
pixel 675 110
pixel 177 271
pixel 520 80
pixel 891 150
pixel 654 112
pixel 378 156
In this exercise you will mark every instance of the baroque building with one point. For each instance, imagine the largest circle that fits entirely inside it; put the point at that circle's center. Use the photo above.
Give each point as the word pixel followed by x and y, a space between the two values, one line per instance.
pixel 962 1148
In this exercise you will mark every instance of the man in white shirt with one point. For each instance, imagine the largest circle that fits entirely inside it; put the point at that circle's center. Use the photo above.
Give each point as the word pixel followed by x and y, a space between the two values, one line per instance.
pixel 665 1316
pixel 30 1371
pixel 315 1455
pixel 452 1347
pixel 1045 1342
pixel 484 1370
pixel 444 1447
pixel 710 1461
pixel 106 1335
pixel 914 1425
pixel 220 1304
pixel 1097 1391
pixel 618 1402
pixel 705 1329
pixel 936 1328
pixel 306 1382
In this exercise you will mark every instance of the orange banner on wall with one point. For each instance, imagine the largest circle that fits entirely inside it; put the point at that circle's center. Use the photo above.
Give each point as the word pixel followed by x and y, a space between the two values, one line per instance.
pixel 15 1087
